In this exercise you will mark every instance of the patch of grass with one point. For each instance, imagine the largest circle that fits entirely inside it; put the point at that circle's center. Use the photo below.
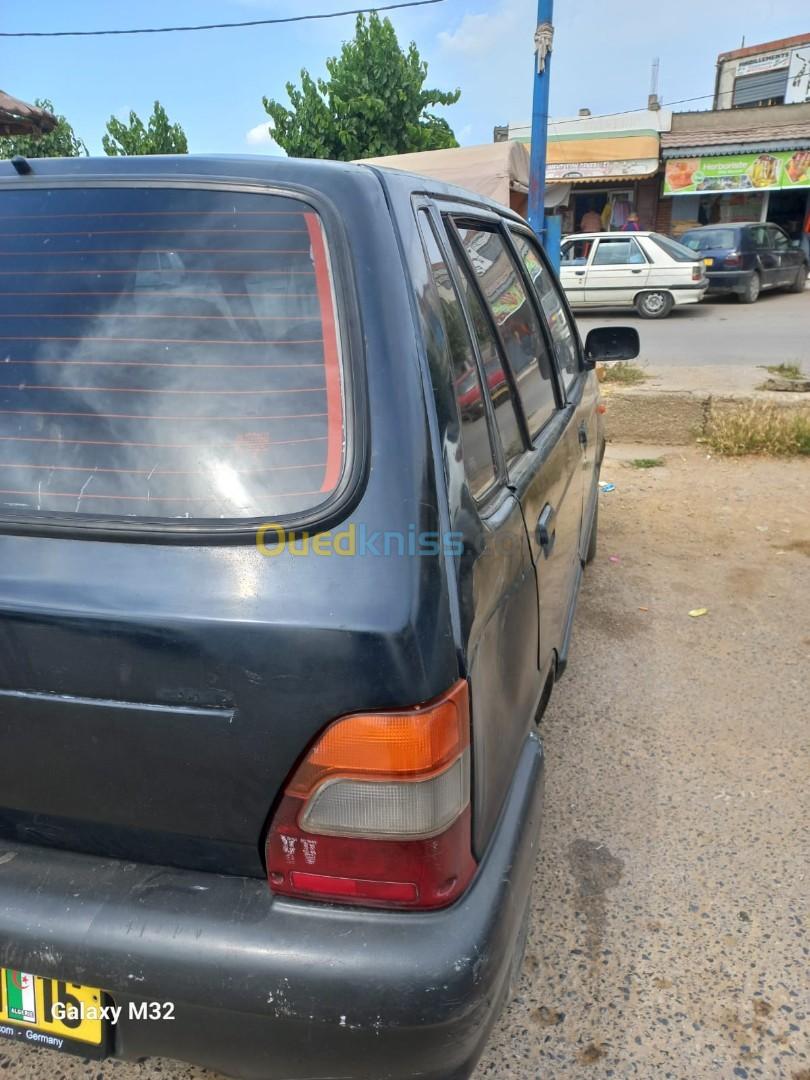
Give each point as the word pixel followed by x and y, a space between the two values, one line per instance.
pixel 759 429
pixel 647 463
pixel 624 373
pixel 784 371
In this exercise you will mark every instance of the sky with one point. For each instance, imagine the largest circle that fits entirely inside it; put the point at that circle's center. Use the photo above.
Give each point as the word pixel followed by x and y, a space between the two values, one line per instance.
pixel 213 82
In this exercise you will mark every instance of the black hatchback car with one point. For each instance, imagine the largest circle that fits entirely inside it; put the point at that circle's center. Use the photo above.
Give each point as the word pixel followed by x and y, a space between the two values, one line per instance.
pixel 298 476
pixel 748 257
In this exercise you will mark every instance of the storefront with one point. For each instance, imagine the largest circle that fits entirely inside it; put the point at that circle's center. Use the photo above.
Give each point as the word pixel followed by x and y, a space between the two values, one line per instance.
pixel 607 166
pixel 762 180
pixel 609 173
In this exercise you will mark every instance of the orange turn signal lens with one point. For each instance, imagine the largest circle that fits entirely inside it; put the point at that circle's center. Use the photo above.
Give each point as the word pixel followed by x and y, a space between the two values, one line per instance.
pixel 400 744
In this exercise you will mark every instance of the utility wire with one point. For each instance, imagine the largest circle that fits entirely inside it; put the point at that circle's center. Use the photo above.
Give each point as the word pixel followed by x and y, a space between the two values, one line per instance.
pixel 215 26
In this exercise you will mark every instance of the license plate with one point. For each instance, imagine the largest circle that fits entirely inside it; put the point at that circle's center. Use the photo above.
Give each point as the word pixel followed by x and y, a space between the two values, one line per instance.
pixel 709 262
pixel 51 1013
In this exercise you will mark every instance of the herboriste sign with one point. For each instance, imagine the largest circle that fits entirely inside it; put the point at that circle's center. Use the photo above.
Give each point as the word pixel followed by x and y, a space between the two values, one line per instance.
pixel 743 172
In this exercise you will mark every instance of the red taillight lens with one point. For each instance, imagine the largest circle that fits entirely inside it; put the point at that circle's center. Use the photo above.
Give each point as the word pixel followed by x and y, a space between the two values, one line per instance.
pixel 697 272
pixel 733 258
pixel 378 812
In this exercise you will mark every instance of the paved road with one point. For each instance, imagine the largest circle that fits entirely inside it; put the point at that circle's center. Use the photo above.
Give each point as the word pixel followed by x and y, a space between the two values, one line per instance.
pixel 672 892
pixel 720 331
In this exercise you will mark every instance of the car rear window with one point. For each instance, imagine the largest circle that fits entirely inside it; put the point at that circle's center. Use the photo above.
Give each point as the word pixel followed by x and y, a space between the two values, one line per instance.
pixel 166 353
pixel 712 239
pixel 676 251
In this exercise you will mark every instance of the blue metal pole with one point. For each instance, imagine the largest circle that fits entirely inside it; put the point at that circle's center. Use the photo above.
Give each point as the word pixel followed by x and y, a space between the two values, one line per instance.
pixel 537 166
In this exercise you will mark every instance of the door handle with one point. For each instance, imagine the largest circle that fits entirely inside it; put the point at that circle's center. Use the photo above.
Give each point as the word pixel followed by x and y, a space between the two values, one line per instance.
pixel 545 532
pixel 579 273
pixel 635 271
pixel 583 435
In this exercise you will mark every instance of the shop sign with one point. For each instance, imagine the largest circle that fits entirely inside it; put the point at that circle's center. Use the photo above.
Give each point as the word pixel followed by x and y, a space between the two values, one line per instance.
pixel 755 64
pixel 798 83
pixel 599 170
pixel 743 172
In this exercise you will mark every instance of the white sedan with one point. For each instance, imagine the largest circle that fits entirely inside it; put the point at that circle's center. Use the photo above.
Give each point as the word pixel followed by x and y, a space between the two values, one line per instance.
pixel 644 270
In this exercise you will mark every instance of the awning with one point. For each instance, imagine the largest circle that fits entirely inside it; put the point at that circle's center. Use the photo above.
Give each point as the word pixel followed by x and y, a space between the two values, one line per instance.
pixel 604 155
pixel 556 195
pixel 19 118
pixel 494 169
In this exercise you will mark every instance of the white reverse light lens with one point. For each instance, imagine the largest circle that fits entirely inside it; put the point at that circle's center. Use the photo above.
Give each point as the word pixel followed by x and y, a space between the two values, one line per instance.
pixel 393 810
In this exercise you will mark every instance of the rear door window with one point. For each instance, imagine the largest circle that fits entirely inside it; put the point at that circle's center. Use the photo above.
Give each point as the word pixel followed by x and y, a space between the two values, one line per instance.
pixel 166 353
pixel 616 252
pixel 710 240
pixel 493 369
pixel 561 327
pixel 514 315
pixel 476 450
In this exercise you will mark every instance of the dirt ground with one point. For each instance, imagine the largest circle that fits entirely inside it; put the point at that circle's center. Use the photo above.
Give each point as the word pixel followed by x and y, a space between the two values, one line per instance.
pixel 672 891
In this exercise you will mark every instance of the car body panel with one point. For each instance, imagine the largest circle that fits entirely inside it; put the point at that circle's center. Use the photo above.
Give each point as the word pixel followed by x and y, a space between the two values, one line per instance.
pixel 619 283
pixel 158 694
pixel 754 247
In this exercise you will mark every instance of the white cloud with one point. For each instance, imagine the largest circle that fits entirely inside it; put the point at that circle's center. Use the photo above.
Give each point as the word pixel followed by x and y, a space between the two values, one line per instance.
pixel 477 34
pixel 260 139
pixel 258 135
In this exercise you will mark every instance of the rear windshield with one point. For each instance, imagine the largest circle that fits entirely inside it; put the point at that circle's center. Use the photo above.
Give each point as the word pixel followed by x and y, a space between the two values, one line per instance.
pixel 675 250
pixel 166 353
pixel 713 239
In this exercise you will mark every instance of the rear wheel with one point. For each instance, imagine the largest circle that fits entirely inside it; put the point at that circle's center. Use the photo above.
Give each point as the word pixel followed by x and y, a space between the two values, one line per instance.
pixel 801 280
pixel 654 305
pixel 752 289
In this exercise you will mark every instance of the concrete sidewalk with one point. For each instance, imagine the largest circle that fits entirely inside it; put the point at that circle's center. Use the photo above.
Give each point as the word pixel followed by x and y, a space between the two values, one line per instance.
pixel 675 407
pixel 705 357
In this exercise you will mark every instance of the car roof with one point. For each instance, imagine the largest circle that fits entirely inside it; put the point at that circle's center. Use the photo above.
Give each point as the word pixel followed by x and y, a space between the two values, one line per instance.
pixel 316 173
pixel 615 234
pixel 730 225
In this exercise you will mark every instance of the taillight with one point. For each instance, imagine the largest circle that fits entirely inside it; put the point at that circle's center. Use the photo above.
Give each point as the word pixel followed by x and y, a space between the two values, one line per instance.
pixel 697 271
pixel 733 258
pixel 378 812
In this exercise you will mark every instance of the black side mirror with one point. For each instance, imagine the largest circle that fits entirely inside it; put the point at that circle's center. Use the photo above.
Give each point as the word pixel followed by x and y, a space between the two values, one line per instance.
pixel 606 343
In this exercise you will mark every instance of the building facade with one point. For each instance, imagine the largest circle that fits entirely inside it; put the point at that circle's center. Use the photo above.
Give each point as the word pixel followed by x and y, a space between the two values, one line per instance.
pixel 604 164
pixel 774 73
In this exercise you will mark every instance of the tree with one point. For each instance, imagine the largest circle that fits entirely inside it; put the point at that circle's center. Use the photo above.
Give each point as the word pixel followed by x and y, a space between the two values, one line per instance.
pixel 158 137
pixel 61 142
pixel 371 105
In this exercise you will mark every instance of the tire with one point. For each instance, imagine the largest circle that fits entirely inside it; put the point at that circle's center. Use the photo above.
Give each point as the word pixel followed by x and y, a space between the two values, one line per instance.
pixel 592 539
pixel 654 305
pixel 801 280
pixel 753 287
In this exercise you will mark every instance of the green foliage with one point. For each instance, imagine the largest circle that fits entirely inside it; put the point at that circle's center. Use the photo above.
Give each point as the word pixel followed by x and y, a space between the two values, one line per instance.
pixel 61 142
pixel 157 137
pixel 371 105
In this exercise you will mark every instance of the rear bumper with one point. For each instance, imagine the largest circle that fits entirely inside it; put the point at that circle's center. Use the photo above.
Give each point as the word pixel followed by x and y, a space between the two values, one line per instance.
pixel 728 281
pixel 690 294
pixel 265 988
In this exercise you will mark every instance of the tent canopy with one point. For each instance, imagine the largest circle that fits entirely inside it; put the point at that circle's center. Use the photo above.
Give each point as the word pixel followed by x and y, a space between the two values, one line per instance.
pixel 493 169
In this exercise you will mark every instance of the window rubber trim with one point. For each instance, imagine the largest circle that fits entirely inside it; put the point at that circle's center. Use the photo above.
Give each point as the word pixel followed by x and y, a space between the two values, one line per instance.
pixel 346 343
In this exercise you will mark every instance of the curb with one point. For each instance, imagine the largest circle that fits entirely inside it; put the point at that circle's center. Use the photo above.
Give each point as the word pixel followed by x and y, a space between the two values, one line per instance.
pixel 675 418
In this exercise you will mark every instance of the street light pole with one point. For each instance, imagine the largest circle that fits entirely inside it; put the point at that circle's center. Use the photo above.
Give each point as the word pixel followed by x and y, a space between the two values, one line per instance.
pixel 547 229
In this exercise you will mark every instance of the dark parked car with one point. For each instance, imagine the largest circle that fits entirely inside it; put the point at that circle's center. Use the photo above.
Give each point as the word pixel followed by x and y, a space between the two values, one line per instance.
pixel 748 257
pixel 278 613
